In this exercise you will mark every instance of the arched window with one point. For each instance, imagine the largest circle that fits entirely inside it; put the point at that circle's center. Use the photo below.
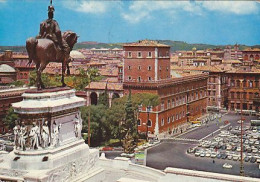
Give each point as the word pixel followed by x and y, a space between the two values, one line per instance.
pixel 149 123
pixel 139 122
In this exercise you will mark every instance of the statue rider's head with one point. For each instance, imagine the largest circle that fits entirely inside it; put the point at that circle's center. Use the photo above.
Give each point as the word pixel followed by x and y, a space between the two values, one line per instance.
pixel 50 11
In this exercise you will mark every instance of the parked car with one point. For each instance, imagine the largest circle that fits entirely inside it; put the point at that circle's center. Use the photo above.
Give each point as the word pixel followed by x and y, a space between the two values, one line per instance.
pixel 234 148
pixel 246 159
pixel 229 157
pixel 235 157
pixel 107 148
pixel 224 156
pixel 213 154
pixel 227 166
pixel 218 156
pixel 253 160
pixel 202 154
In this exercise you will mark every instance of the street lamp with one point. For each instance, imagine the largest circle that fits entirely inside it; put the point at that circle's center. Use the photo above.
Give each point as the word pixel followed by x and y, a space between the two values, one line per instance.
pixel 148 114
pixel 138 113
pixel 241 141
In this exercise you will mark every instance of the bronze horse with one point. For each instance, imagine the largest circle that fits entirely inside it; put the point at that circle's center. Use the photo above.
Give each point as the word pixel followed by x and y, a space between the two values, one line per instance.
pixel 43 51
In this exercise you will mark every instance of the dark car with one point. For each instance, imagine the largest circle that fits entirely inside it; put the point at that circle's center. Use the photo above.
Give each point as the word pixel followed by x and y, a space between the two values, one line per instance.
pixel 233 148
pixel 223 156
pixel 218 156
pixel 253 160
pixel 190 150
pixel 223 147
pixel 246 159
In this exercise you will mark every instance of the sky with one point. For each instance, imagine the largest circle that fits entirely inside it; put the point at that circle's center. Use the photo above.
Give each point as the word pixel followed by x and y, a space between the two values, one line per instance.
pixel 112 21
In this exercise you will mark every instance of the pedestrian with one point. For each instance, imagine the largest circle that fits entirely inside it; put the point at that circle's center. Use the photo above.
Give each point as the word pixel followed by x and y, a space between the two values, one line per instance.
pixel 213 161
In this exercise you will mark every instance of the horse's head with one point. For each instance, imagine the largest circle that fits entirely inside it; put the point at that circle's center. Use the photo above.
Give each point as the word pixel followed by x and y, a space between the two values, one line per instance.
pixel 70 37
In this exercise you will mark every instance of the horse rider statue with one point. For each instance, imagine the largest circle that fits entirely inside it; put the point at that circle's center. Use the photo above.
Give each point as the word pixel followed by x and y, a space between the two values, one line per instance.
pixel 50 29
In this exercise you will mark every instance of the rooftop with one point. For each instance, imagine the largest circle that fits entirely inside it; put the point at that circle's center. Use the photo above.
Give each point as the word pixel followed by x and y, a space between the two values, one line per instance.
pixel 4 68
pixel 149 43
pixel 102 86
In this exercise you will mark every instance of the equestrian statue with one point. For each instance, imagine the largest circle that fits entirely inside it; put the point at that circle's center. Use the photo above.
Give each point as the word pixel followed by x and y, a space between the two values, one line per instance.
pixel 50 46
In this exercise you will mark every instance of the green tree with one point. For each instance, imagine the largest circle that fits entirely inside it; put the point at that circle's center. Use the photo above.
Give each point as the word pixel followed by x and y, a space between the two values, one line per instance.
pixel 130 128
pixel 18 83
pixel 85 77
pixel 103 98
pixel 48 81
pixel 10 118
pixel 100 129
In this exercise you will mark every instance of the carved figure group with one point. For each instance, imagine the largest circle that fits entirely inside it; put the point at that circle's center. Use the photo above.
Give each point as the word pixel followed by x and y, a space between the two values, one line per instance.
pixel 38 136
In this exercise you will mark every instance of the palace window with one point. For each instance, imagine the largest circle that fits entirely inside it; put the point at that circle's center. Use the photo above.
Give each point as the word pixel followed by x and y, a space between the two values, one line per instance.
pixel 149 54
pixel 149 68
pixel 129 78
pixel 129 54
pixel 139 79
pixel 139 122
pixel 150 78
pixel 169 119
pixel 129 67
pixel 139 55
pixel 139 67
pixel 149 123
pixel 162 122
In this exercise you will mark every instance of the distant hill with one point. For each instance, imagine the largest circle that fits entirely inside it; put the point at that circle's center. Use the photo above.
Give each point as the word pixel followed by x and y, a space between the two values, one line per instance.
pixel 175 46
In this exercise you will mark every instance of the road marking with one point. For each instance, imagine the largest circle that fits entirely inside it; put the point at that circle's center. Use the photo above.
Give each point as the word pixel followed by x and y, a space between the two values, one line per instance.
pixel 213 132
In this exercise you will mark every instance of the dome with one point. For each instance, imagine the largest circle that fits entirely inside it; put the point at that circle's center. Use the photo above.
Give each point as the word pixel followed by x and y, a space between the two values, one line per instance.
pixel 4 68
pixel 194 49
pixel 77 55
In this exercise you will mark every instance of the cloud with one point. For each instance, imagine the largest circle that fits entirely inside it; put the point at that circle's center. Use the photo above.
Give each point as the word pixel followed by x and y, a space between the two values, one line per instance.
pixel 2 1
pixel 235 7
pixel 92 7
pixel 140 10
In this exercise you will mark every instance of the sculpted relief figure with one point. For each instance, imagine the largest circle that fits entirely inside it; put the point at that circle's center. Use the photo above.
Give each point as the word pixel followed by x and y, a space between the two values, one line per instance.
pixel 16 130
pixel 34 136
pixel 22 136
pixel 45 135
pixel 77 126
pixel 55 134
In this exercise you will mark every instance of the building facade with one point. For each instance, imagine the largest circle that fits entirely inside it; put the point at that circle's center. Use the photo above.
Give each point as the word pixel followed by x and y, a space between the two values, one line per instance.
pixel 244 84
pixel 147 69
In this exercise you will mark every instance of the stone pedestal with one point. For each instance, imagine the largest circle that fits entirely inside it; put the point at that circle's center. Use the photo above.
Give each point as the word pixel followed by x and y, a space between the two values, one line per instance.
pixel 49 146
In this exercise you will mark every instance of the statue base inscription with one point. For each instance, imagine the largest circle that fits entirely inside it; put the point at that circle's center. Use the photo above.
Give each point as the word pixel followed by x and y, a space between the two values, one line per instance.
pixel 48 143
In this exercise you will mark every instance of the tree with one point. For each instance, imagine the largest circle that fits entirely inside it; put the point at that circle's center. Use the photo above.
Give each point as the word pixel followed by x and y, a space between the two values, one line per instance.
pixel 18 83
pixel 130 128
pixel 85 77
pixel 48 81
pixel 103 98
pixel 100 128
pixel 10 118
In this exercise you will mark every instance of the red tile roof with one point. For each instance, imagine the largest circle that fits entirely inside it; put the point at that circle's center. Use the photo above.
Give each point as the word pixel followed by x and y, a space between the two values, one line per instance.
pixel 102 86
pixel 147 43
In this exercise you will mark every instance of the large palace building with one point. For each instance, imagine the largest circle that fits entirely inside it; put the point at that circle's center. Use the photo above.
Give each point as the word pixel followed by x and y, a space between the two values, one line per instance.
pixel 182 98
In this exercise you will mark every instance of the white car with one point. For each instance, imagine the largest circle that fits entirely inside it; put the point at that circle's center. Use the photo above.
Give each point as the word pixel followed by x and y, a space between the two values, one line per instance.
pixel 239 121
pixel 202 154
pixel 213 154
pixel 227 166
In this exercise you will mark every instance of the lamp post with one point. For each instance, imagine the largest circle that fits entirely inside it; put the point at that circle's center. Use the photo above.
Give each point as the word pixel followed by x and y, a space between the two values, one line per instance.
pixel 241 139
pixel 138 112
pixel 148 114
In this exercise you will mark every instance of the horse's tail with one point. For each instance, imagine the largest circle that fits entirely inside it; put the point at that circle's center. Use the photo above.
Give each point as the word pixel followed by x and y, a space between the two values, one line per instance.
pixel 31 48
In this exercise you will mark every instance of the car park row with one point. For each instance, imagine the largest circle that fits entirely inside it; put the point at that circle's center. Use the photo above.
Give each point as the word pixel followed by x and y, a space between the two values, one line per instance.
pixel 227 145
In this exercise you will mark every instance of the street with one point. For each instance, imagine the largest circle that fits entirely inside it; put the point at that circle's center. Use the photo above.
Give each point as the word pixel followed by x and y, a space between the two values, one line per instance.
pixel 173 154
